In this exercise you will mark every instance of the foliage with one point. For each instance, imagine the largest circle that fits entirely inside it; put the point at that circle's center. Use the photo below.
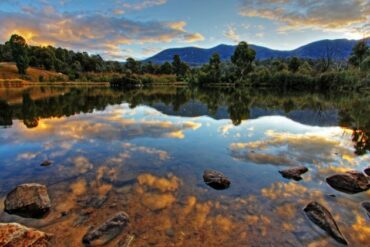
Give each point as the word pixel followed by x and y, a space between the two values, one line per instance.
pixel 294 64
pixel 359 53
pixel 243 58
pixel 179 68
pixel 18 46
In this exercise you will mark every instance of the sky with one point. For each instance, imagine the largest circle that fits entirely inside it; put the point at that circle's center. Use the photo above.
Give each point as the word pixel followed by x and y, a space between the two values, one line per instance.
pixel 117 29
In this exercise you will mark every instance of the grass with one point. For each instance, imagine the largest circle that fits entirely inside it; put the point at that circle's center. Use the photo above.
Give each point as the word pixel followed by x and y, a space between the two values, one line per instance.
pixel 9 74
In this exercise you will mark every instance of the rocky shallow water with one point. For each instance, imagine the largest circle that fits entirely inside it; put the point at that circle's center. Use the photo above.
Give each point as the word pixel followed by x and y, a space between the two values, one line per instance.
pixel 107 153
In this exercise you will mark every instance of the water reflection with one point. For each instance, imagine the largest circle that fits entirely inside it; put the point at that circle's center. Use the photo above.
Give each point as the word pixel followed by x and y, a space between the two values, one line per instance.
pixel 351 111
pixel 144 152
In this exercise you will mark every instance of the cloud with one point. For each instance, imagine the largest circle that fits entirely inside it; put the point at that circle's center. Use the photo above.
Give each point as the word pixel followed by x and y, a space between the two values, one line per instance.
pixel 282 148
pixel 193 37
pixel 143 4
pixel 112 124
pixel 93 32
pixel 329 15
pixel 231 33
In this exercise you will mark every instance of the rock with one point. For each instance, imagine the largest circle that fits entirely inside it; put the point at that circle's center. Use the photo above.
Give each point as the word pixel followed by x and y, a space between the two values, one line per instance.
pixel 170 232
pixel 216 179
pixel 366 206
pixel 14 234
pixel 294 173
pixel 28 200
pixel 367 171
pixel 46 163
pixel 319 215
pixel 350 182
pixel 107 231
pixel 93 201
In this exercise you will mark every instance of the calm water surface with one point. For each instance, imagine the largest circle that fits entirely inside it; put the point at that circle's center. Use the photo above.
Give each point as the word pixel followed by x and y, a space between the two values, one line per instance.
pixel 144 151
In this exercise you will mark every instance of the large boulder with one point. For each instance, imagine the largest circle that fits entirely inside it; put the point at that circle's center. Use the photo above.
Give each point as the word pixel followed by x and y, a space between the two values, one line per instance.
pixel 319 215
pixel 28 200
pixel 350 182
pixel 294 173
pixel 216 179
pixel 107 231
pixel 13 234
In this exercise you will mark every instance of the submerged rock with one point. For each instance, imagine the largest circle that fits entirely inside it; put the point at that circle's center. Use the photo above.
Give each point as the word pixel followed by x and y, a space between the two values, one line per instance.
pixel 46 163
pixel 366 206
pixel 294 173
pixel 349 182
pixel 107 231
pixel 367 171
pixel 216 179
pixel 14 234
pixel 319 215
pixel 28 200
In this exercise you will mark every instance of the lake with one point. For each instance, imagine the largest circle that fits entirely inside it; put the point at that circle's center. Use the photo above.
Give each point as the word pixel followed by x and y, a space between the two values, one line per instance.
pixel 143 151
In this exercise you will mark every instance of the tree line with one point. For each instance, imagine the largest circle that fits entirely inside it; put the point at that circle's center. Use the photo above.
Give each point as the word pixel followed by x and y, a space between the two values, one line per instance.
pixel 283 74
pixel 242 68
pixel 71 63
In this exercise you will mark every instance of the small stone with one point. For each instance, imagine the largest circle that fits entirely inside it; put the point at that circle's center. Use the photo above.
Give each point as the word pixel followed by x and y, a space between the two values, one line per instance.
pixel 14 234
pixel 320 216
pixel 350 182
pixel 28 200
pixel 170 232
pixel 294 173
pixel 46 163
pixel 216 179
pixel 107 231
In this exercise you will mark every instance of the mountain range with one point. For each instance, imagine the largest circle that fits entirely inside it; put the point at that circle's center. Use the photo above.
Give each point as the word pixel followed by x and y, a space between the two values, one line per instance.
pixel 338 49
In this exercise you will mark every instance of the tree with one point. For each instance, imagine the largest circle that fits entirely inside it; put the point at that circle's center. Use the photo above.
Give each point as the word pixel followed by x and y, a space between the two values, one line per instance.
pixel 19 52
pixel 179 68
pixel 365 65
pixel 148 68
pixel 243 58
pixel 359 53
pixel 5 53
pixel 294 64
pixel 176 64
pixel 132 65
pixel 165 68
pixel 214 67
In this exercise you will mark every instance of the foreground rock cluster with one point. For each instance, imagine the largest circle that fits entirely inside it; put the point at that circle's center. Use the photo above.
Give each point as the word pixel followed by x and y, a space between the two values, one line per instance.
pixel 32 201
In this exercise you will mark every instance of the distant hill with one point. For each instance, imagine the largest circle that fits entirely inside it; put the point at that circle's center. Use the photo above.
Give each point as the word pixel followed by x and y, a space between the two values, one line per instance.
pixel 339 49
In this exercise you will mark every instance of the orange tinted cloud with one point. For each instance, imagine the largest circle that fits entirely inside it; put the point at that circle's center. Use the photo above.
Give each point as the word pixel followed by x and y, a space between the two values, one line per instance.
pixel 94 32
pixel 330 15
